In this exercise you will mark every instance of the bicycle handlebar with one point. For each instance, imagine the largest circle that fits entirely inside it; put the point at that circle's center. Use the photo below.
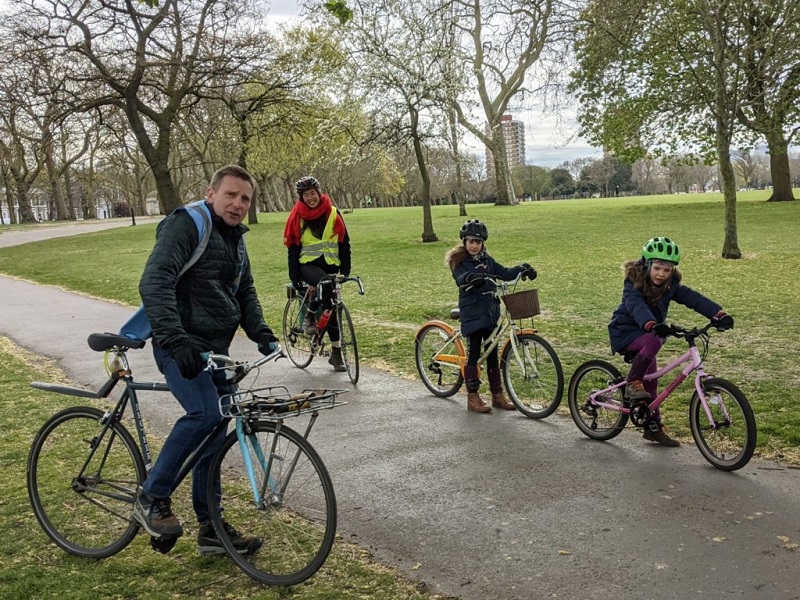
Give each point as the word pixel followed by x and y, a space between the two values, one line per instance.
pixel 503 284
pixel 680 332
pixel 339 279
pixel 239 370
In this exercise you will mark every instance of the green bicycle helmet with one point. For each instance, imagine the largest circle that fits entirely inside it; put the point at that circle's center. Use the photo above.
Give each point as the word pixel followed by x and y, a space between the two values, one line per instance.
pixel 661 248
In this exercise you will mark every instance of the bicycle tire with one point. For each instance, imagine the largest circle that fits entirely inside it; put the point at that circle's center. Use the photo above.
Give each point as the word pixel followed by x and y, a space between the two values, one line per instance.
pixel 78 512
pixel 537 385
pixel 347 337
pixel 296 342
pixel 596 422
pixel 442 379
pixel 729 443
pixel 297 527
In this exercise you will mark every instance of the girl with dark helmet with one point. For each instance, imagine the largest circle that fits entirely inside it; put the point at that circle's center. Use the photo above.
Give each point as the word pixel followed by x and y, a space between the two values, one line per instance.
pixel 319 245
pixel 480 308
pixel 639 323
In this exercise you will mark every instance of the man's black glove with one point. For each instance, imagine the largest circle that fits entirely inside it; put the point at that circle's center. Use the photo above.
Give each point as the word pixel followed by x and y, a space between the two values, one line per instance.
pixel 528 271
pixel 662 330
pixel 267 342
pixel 724 322
pixel 189 360
pixel 299 285
pixel 476 280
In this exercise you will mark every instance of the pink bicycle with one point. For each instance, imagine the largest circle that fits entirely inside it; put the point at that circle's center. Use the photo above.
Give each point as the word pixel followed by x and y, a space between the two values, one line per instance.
pixel 720 417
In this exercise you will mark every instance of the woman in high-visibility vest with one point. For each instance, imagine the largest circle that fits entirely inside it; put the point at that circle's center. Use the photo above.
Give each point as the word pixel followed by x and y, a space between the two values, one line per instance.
pixel 319 245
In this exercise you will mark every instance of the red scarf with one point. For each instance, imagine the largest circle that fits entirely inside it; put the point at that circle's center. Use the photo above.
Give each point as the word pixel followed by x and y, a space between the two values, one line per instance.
pixel 301 211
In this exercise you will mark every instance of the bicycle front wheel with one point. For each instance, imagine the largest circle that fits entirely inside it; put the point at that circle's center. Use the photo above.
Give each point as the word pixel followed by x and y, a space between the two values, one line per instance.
pixel 347 336
pixel 82 477
pixel 292 510
pixel 729 439
pixel 296 342
pixel 597 422
pixel 533 376
pixel 439 359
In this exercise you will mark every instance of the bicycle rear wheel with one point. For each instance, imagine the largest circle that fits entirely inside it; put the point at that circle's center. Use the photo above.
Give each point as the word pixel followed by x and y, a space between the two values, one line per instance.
pixel 347 336
pixel 596 422
pixel 296 516
pixel 533 377
pixel 81 482
pixel 727 442
pixel 297 343
pixel 438 360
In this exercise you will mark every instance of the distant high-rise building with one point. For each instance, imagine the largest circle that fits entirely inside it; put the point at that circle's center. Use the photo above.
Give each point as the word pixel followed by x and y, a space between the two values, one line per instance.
pixel 514 133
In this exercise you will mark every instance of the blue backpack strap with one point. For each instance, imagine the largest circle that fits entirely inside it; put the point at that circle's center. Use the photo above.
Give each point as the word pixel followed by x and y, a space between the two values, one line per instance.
pixel 201 215
pixel 137 327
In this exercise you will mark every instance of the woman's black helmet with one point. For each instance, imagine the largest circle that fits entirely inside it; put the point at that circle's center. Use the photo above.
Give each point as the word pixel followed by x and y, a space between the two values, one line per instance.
pixel 306 183
pixel 474 228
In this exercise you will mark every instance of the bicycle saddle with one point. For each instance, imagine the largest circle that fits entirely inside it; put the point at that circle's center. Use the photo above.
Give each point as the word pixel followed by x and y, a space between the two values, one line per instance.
pixel 629 357
pixel 100 342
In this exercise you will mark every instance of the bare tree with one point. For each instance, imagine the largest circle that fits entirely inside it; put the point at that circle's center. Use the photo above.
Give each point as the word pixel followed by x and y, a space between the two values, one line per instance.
pixel 150 61
pixel 509 48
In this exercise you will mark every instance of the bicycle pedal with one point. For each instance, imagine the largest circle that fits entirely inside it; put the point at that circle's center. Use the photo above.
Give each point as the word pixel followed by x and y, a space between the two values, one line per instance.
pixel 162 544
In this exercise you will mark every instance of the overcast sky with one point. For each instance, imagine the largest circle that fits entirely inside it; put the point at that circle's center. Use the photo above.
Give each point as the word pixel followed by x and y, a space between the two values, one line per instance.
pixel 547 143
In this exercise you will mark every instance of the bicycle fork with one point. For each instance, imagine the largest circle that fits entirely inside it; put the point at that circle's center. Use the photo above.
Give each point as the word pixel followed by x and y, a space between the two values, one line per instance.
pixel 267 492
pixel 522 354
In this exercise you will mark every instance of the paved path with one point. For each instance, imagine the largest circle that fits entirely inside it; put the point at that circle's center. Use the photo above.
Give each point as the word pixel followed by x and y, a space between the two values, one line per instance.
pixel 495 506
pixel 46 232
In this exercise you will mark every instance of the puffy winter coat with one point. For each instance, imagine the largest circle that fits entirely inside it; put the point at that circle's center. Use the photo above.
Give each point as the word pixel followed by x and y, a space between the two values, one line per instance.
pixel 480 307
pixel 628 320
pixel 200 306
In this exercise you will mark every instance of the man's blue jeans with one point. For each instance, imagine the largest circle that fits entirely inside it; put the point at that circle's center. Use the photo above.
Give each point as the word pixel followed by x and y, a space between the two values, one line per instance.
pixel 199 397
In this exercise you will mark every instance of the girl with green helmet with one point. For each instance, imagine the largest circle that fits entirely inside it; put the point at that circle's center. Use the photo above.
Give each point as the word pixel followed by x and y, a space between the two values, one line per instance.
pixel 639 322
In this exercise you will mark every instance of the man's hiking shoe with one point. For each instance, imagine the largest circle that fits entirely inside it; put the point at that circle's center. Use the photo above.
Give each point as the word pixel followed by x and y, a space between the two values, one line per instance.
pixel 660 437
pixel 208 543
pixel 635 392
pixel 155 516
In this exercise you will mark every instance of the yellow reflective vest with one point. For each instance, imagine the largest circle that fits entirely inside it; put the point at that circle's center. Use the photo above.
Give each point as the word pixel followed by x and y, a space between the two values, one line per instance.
pixel 328 246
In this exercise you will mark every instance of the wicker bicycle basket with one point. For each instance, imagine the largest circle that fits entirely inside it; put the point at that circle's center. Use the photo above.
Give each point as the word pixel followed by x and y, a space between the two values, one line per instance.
pixel 522 305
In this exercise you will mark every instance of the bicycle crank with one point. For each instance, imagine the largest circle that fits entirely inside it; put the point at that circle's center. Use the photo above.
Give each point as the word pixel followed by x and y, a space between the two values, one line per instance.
pixel 640 414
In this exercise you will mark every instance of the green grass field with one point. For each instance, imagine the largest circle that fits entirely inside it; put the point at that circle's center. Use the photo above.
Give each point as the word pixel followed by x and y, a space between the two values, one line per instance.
pixel 577 246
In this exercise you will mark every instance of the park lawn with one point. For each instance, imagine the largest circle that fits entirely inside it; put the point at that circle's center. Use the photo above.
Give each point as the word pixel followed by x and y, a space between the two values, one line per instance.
pixel 33 567
pixel 577 246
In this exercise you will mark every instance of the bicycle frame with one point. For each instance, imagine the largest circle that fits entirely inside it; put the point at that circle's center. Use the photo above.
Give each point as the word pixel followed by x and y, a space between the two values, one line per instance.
pixel 505 329
pixel 337 282
pixel 129 396
pixel 695 363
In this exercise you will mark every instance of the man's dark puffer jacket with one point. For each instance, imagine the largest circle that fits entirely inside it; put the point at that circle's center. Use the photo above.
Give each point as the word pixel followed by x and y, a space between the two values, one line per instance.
pixel 200 307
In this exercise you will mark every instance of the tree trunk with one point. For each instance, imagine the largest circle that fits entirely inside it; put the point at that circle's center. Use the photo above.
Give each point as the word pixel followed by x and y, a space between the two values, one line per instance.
pixel 62 214
pixel 428 234
pixel 459 193
pixel 25 212
pixel 502 174
pixel 12 213
pixel 730 246
pixel 779 168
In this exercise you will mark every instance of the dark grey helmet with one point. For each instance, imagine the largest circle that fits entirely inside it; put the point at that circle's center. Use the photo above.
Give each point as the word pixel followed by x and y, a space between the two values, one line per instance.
pixel 306 183
pixel 474 228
